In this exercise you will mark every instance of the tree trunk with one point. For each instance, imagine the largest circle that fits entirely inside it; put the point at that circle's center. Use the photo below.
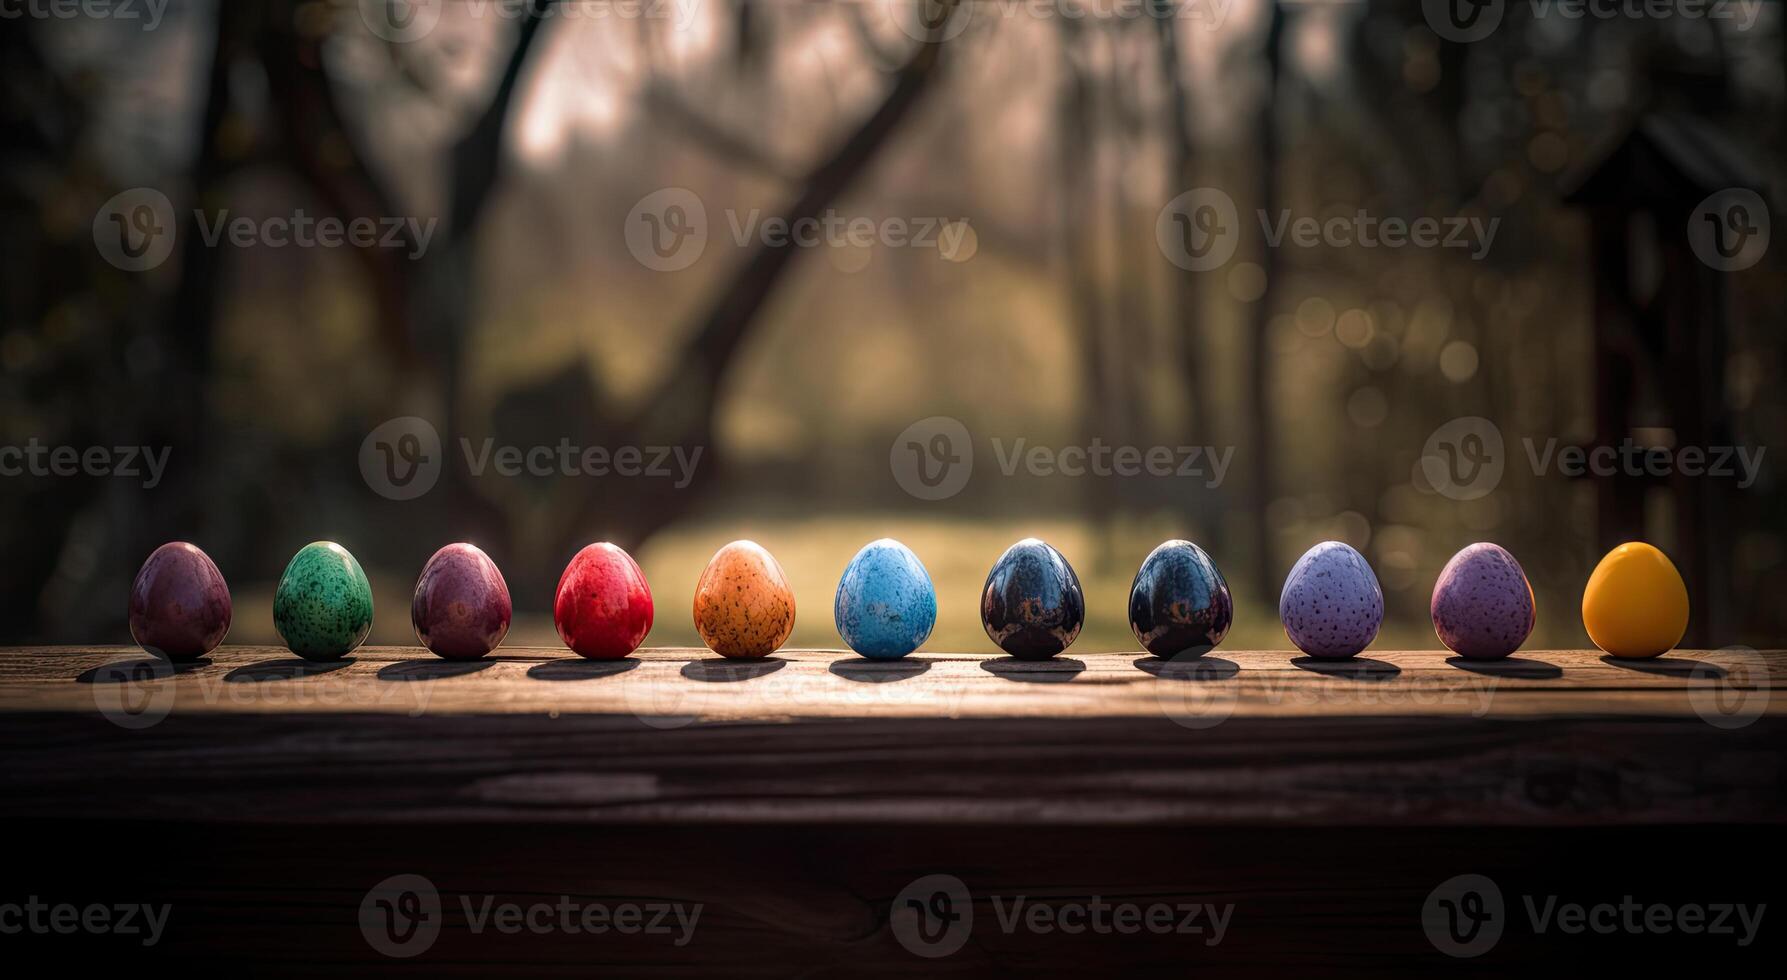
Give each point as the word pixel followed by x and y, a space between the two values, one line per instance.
pixel 1259 342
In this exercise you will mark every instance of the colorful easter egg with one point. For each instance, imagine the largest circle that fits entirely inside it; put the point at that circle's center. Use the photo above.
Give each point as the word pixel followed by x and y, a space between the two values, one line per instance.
pixel 179 603
pixel 603 608
pixel 743 605
pixel 1331 604
pixel 461 609
pixel 323 606
pixel 1636 604
pixel 886 605
pixel 1179 603
pixel 1482 604
pixel 1032 605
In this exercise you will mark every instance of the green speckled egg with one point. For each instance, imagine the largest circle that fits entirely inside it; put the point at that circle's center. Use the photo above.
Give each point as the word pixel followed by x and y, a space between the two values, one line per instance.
pixel 323 608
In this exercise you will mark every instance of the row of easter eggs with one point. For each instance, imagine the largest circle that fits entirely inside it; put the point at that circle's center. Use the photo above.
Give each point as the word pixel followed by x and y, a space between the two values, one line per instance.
pixel 1635 604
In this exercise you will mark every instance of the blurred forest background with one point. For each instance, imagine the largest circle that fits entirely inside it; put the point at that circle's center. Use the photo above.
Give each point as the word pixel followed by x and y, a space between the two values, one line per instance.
pixel 1057 139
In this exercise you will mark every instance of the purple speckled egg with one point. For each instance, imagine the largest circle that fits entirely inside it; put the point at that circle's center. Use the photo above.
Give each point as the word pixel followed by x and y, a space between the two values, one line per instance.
pixel 179 603
pixel 1482 603
pixel 1331 604
pixel 461 609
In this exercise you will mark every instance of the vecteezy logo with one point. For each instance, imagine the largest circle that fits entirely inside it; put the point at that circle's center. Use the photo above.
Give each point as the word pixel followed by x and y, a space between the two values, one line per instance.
pixel 660 700
pixel 933 458
pixel 1463 21
pixel 933 916
pixel 1732 691
pixel 1198 230
pixel 1463 917
pixel 400 21
pixel 1729 230
pixel 1193 699
pixel 134 231
pixel 667 230
pixel 401 916
pixel 926 20
pixel 134 695
pixel 401 459
pixel 1464 458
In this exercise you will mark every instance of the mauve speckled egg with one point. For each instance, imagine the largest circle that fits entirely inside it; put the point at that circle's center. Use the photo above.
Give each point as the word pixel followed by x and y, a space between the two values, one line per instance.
pixel 886 605
pixel 1331 605
pixel 179 603
pixel 461 609
pixel 1482 603
pixel 1179 603
pixel 1032 605
pixel 743 605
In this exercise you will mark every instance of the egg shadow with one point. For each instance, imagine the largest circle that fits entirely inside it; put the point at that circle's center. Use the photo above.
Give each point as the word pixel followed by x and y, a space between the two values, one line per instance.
pixel 1054 670
pixel 1514 668
pixel 1188 668
pixel 731 671
pixel 283 669
pixel 139 670
pixel 1669 666
pixel 1351 669
pixel 581 668
pixel 431 670
pixel 867 670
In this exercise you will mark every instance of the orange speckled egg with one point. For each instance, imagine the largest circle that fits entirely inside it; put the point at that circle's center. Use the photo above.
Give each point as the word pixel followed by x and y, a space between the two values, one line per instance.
pixel 1636 604
pixel 743 605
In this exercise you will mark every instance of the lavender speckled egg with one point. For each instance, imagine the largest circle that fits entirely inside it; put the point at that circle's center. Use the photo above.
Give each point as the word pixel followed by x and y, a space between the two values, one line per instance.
pixel 1482 603
pixel 1331 605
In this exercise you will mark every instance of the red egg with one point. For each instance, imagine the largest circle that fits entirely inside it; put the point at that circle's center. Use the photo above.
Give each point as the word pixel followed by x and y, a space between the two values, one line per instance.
pixel 603 608
pixel 179 603
pixel 461 608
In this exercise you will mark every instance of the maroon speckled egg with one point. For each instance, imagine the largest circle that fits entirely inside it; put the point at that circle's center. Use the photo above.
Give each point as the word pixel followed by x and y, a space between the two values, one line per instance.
pixel 461 610
pixel 179 603
pixel 1482 604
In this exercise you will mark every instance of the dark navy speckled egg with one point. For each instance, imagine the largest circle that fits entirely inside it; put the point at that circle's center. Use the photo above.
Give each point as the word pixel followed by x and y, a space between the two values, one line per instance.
pixel 1331 604
pixel 1482 603
pixel 1032 605
pixel 886 605
pixel 1179 603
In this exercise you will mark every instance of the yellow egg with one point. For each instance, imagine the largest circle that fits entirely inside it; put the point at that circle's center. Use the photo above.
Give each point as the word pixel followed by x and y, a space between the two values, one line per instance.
pixel 743 605
pixel 1636 604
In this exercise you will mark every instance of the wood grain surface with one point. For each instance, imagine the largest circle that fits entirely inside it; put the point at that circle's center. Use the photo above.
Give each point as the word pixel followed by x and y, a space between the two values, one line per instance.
pixel 817 737
pixel 801 802
pixel 679 685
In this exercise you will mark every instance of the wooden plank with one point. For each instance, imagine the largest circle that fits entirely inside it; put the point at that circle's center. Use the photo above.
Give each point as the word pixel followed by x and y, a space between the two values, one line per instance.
pixel 680 686
pixel 820 900
pixel 813 738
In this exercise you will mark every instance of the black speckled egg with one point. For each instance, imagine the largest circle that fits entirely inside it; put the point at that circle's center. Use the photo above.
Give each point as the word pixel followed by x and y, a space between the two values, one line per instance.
pixel 1032 605
pixel 1179 603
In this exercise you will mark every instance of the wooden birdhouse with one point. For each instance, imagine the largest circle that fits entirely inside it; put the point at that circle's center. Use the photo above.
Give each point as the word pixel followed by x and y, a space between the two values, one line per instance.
pixel 1661 327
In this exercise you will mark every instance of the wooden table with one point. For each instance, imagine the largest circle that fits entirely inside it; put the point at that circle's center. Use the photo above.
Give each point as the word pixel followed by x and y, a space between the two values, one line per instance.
pixel 798 799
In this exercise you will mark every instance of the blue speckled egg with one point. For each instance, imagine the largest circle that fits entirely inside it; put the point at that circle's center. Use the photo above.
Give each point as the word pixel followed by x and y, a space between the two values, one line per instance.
pixel 1331 604
pixel 1483 604
pixel 886 605
pixel 1179 603
pixel 1032 605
